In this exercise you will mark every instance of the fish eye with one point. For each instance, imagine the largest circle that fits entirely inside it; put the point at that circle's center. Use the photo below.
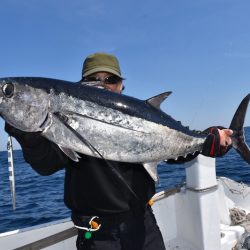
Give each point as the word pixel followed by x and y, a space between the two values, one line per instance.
pixel 8 90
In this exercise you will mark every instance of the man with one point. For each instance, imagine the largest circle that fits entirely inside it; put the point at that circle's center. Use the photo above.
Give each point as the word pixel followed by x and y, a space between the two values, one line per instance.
pixel 108 200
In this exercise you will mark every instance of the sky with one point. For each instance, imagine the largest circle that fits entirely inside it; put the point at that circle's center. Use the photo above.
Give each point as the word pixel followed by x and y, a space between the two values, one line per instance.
pixel 198 49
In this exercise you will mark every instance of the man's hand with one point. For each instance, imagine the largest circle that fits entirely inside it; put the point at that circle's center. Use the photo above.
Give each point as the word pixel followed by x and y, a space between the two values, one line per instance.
pixel 225 139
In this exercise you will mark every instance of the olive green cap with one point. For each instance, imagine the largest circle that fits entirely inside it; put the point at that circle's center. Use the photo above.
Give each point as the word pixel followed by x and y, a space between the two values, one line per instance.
pixel 99 62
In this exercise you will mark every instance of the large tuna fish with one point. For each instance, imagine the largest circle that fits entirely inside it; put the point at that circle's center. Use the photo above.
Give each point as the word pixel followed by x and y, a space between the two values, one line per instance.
pixel 100 123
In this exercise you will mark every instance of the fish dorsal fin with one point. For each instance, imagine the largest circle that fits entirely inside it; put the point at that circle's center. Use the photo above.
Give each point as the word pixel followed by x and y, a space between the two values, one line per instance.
pixel 156 101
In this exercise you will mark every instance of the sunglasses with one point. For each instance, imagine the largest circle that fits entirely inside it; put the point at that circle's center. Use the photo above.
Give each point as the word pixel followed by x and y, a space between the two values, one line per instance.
pixel 107 80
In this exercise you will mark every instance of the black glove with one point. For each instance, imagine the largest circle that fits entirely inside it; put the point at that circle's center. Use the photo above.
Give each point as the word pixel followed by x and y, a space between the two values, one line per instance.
pixel 212 145
pixel 26 139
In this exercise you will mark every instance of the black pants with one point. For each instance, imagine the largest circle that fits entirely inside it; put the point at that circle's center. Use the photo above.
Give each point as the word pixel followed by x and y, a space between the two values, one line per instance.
pixel 137 233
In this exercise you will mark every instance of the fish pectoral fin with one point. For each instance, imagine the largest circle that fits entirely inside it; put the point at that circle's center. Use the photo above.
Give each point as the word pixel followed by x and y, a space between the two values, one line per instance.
pixel 157 100
pixel 70 153
pixel 151 168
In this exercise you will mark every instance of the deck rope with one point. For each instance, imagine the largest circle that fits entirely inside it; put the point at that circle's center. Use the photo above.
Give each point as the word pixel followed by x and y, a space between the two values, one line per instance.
pixel 240 217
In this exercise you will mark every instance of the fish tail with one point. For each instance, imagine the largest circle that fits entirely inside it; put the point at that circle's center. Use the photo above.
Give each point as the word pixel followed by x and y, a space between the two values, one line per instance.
pixel 238 138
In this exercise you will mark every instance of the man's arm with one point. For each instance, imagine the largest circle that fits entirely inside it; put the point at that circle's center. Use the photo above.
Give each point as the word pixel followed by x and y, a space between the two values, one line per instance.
pixel 44 156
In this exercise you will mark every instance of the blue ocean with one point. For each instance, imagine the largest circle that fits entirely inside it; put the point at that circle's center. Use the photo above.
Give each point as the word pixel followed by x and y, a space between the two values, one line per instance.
pixel 39 199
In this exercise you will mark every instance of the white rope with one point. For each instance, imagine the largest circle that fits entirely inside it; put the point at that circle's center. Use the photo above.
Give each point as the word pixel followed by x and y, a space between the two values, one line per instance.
pixel 240 217
pixel 91 229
